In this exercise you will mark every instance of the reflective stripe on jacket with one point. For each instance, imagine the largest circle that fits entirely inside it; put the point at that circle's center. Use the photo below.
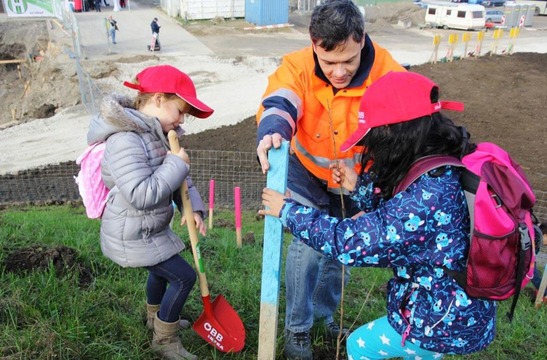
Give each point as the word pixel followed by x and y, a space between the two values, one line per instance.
pixel 304 109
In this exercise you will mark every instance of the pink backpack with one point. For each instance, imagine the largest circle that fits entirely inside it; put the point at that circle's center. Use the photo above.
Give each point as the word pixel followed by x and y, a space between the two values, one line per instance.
pixel 500 200
pixel 90 183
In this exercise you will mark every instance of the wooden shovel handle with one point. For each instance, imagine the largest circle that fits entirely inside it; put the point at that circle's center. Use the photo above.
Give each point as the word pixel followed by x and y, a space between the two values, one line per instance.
pixel 189 215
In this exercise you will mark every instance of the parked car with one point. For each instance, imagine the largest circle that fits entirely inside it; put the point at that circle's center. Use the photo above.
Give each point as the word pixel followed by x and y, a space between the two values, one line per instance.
pixel 494 16
pixel 493 3
pixel 475 2
pixel 420 3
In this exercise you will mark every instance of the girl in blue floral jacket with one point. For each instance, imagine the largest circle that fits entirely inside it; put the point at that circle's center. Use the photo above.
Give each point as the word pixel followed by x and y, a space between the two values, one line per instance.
pixel 419 233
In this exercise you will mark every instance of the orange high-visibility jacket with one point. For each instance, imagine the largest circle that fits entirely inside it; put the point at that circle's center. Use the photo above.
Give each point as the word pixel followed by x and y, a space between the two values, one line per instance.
pixel 304 109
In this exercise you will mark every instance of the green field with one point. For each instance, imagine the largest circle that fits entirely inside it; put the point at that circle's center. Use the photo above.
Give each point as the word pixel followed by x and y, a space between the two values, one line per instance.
pixel 76 304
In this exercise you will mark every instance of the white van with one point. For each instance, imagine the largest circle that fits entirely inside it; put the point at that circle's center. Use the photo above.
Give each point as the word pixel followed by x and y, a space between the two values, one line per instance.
pixel 455 16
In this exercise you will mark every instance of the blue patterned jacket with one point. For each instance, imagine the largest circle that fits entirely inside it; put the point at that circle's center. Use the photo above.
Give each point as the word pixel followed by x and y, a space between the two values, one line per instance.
pixel 418 233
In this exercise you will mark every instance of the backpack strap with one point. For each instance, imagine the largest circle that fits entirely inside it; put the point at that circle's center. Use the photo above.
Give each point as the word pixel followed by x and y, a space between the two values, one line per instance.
pixel 424 165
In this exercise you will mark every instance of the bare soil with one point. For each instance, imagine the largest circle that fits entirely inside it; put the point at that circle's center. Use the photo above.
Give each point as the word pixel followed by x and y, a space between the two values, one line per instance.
pixel 37 88
pixel 506 106
pixel 63 259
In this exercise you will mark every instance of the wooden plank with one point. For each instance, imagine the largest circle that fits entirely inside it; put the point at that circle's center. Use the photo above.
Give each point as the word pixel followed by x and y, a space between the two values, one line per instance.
pixel 541 290
pixel 271 258
pixel 15 61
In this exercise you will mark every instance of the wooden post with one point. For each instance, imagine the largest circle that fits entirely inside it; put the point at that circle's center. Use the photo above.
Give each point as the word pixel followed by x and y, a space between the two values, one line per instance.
pixel 271 258
pixel 211 201
pixel 436 43
pixel 541 290
pixel 480 38
pixel 465 39
pixel 452 41
pixel 498 33
pixel 237 211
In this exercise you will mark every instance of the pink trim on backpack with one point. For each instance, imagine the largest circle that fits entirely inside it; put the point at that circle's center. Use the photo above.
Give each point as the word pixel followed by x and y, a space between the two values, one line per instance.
pixel 90 183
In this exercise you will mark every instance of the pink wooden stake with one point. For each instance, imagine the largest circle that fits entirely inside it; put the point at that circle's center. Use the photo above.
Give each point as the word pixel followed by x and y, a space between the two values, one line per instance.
pixel 237 200
pixel 211 201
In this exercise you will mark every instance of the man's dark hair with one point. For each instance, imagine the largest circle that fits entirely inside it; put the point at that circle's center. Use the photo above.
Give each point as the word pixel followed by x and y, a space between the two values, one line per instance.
pixel 333 22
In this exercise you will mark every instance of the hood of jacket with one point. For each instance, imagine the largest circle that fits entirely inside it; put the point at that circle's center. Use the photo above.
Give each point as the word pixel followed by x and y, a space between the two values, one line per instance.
pixel 117 113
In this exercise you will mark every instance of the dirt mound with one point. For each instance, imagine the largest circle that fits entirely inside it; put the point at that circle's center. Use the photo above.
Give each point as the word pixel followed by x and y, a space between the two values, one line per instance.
pixel 38 85
pixel 387 15
pixel 504 100
pixel 40 257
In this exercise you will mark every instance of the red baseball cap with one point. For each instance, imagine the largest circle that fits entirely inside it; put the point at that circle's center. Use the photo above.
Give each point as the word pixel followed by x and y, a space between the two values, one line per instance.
pixel 394 98
pixel 170 80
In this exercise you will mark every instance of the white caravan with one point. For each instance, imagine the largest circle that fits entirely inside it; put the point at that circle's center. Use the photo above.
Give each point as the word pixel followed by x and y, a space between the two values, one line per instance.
pixel 455 16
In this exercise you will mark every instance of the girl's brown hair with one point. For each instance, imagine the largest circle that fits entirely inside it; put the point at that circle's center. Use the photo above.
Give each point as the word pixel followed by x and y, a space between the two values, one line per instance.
pixel 143 98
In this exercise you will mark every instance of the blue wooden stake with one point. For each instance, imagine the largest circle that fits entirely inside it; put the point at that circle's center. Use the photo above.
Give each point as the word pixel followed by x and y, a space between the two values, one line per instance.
pixel 271 257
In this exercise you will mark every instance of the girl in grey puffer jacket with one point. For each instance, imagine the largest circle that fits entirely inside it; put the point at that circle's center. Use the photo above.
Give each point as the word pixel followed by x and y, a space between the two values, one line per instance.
pixel 142 176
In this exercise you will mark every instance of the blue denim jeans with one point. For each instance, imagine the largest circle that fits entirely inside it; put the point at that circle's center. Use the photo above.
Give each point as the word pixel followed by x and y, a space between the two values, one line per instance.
pixel 113 34
pixel 536 280
pixel 313 287
pixel 180 276
pixel 313 282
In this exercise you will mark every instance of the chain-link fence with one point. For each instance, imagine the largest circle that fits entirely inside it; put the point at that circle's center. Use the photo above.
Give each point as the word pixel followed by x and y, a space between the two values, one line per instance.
pixel 54 184
pixel 540 210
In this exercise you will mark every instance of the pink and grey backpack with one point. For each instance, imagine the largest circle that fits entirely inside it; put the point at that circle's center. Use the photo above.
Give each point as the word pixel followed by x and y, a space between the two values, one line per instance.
pixel 500 200
pixel 90 182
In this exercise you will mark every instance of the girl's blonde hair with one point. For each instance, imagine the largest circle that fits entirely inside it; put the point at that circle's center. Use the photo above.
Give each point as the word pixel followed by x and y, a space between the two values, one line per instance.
pixel 143 98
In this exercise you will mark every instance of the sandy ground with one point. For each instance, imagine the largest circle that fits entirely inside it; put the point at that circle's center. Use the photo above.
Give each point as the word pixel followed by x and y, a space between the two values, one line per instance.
pixel 229 65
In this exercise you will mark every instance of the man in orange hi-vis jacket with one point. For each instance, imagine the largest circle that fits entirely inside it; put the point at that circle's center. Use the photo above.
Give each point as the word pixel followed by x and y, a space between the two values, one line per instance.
pixel 312 100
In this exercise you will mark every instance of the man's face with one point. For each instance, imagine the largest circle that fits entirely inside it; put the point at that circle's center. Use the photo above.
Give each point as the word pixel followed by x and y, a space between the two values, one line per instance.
pixel 340 64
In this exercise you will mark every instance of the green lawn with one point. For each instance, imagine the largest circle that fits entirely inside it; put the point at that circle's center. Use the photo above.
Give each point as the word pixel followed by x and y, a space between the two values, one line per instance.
pixel 82 306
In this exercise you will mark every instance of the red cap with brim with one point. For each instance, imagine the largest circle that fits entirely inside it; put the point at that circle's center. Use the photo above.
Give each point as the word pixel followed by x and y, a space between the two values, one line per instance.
pixel 170 80
pixel 394 98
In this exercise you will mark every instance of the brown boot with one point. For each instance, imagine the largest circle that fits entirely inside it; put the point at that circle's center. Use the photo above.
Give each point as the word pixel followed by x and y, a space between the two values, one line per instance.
pixel 151 311
pixel 167 343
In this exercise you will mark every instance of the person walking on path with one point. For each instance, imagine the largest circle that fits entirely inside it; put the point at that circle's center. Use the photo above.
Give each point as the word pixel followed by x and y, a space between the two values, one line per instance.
pixel 429 314
pixel 311 100
pixel 143 175
pixel 112 26
pixel 155 27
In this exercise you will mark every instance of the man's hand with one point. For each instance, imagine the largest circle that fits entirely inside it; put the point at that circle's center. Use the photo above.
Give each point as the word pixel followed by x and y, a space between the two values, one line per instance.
pixel 267 142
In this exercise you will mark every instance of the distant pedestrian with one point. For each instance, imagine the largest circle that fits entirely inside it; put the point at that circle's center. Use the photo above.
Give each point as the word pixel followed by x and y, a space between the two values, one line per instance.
pixel 112 26
pixel 155 33
pixel 97 5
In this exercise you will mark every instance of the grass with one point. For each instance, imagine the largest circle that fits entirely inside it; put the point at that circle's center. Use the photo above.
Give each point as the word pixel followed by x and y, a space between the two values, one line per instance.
pixel 94 309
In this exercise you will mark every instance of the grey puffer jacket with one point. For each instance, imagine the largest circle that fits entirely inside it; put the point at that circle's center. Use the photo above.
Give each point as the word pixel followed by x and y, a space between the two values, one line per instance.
pixel 142 177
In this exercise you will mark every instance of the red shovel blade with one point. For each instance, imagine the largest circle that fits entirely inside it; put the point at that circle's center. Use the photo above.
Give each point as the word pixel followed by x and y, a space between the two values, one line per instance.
pixel 220 325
